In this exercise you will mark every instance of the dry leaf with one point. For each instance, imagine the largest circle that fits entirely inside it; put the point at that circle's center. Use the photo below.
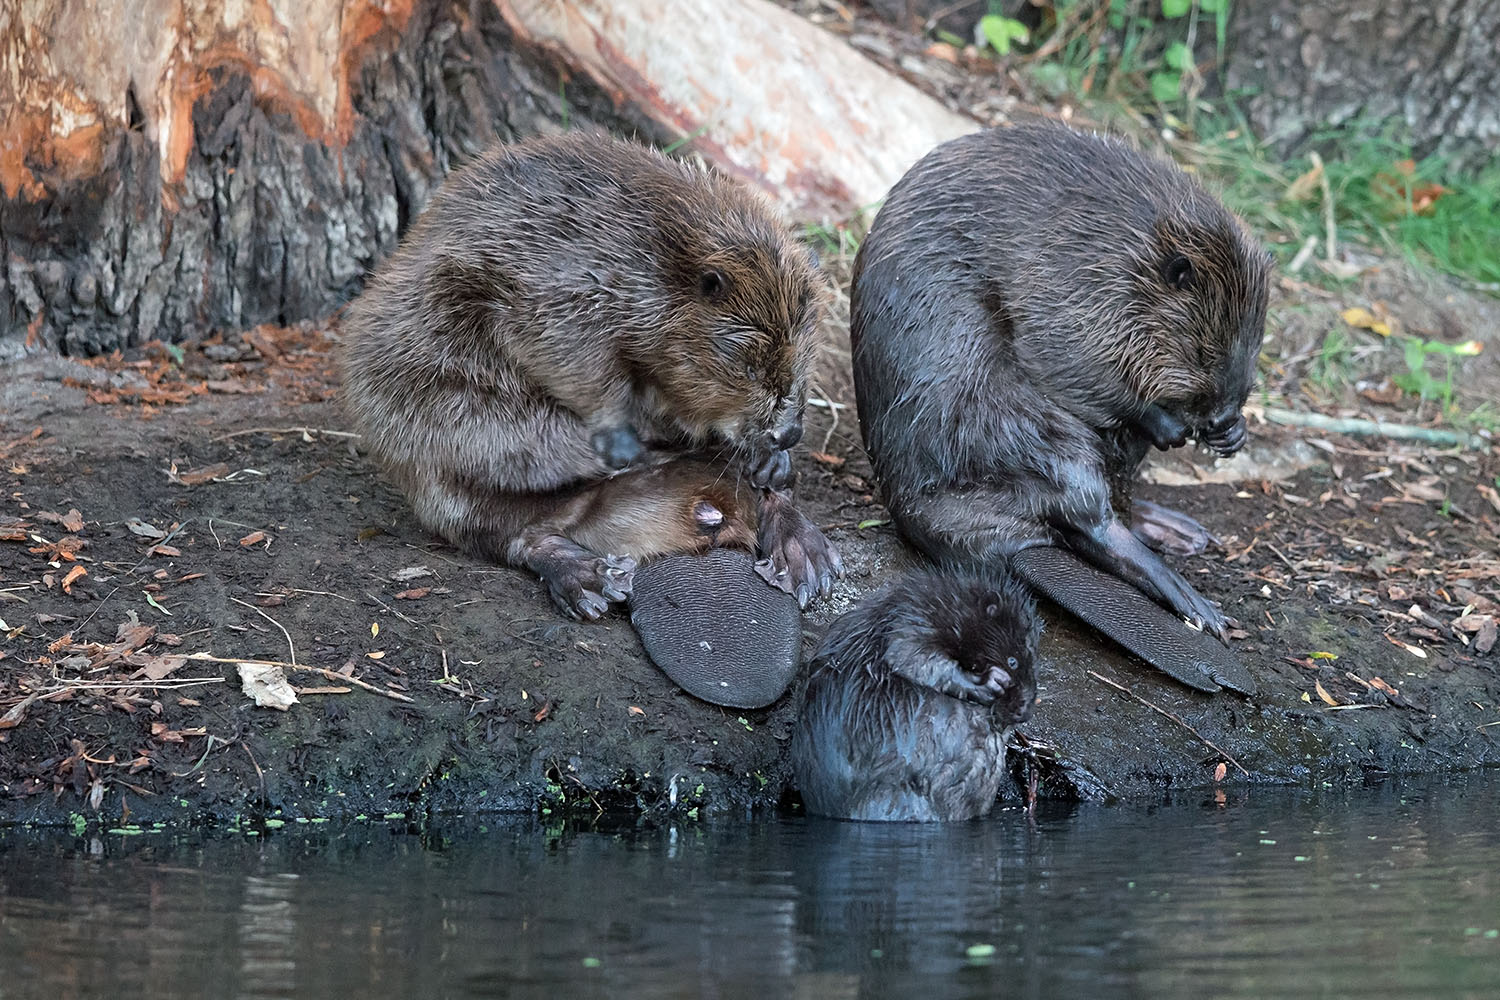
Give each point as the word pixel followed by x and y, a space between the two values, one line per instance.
pixel 139 527
pixel 543 712
pixel 254 538
pixel 1328 699
pixel 823 458
pixel 160 666
pixel 411 573
pixel 1221 770
pixel 377 655
pixel 1303 187
pixel 267 686
pixel 197 477
pixel 72 521
pixel 73 574
pixel 637 710
pixel 1383 686
pixel 414 594
pixel 1362 319
pixel 165 550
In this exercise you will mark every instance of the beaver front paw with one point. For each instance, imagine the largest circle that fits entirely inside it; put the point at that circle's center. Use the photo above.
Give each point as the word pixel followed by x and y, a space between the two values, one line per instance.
pixel 618 447
pixel 770 470
pixel 796 556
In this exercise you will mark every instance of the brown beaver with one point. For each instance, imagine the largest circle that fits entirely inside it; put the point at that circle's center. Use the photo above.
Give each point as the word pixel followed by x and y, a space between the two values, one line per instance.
pixel 1032 310
pixel 568 318
pixel 912 697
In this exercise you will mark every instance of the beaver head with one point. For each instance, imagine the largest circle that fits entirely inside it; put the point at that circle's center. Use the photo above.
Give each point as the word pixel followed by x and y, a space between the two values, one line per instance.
pixel 986 629
pixel 1198 314
pixel 736 349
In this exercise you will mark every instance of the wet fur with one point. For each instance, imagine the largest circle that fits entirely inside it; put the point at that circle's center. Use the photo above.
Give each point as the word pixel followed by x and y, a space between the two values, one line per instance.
pixel 1020 299
pixel 569 316
pixel 896 725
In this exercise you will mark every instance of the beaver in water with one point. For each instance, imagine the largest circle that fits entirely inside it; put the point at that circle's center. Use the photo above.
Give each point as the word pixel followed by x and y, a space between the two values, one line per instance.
pixel 569 318
pixel 1032 310
pixel 912 696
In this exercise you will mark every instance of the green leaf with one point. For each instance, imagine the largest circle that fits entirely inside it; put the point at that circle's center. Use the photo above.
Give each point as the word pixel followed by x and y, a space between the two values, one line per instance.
pixel 152 601
pixel 1416 356
pixel 999 32
pixel 1175 8
pixel 873 522
pixel 1178 56
pixel 1213 6
pixel 1166 87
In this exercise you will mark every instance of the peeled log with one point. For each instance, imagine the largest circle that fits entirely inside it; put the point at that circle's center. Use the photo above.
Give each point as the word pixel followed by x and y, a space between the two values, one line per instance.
pixel 170 169
pixel 754 88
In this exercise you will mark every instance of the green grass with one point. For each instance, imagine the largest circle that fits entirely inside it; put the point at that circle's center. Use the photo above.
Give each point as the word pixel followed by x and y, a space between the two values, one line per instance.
pixel 1130 60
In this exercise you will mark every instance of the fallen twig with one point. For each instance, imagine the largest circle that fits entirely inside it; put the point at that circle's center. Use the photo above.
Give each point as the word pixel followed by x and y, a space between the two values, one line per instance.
pixel 1157 708
pixel 273 621
pixel 304 431
pixel 1375 428
pixel 332 675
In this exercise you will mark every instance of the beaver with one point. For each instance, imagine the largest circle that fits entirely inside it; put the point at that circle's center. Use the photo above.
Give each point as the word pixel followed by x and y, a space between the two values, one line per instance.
pixel 569 317
pixel 1032 310
pixel 912 697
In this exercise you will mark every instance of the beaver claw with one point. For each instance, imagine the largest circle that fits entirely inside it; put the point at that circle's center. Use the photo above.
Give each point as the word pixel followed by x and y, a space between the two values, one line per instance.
pixel 770 470
pixel 585 587
pixel 1226 437
pixel 797 558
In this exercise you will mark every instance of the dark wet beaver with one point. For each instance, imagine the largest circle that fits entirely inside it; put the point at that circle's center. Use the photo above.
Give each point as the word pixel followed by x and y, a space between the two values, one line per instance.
pixel 1032 310
pixel 569 316
pixel 912 696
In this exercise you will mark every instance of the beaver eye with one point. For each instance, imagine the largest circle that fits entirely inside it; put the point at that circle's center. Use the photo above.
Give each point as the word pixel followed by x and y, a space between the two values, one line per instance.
pixel 1012 664
pixel 1177 272
pixel 713 285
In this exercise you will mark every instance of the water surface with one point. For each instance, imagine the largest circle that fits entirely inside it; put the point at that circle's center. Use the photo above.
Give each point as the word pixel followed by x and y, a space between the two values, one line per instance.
pixel 1383 892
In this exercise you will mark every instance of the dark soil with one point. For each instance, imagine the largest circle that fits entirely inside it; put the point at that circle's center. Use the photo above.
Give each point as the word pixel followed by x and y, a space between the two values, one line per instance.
pixel 287 539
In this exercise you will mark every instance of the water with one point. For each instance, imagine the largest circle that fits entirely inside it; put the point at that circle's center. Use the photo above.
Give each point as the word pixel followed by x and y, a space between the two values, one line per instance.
pixel 1385 892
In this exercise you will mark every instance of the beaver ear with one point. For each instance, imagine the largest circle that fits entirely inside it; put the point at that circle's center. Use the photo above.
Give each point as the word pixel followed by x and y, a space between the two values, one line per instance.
pixel 1177 272
pixel 713 285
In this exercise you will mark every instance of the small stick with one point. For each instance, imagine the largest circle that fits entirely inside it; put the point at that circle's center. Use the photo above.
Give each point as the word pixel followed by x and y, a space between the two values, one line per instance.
pixel 1157 708
pixel 1374 428
pixel 332 675
pixel 1300 261
pixel 284 430
pixel 259 773
pixel 823 395
pixel 273 622
pixel 1332 247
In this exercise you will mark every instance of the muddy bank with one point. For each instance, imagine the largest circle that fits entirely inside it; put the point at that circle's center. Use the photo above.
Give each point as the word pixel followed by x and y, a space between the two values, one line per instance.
pixel 222 509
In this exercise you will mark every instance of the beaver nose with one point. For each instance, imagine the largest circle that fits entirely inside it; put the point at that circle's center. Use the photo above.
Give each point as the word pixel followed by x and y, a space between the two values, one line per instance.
pixel 787 436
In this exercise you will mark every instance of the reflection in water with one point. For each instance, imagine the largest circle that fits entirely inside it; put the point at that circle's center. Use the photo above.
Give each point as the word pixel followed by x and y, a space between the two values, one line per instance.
pixel 1390 892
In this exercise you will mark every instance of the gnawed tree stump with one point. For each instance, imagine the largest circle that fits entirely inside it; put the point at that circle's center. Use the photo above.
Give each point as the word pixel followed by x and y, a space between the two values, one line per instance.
pixel 174 168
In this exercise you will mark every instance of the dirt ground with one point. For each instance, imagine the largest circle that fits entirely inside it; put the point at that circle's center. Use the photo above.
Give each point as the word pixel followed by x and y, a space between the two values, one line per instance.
pixel 168 516
pixel 209 501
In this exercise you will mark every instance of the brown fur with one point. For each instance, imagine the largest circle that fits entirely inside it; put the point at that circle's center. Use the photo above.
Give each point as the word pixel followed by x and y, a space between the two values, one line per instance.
pixel 563 291
pixel 1032 309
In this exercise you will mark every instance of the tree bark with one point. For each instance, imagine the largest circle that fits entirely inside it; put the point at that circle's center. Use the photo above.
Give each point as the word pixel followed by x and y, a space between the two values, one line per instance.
pixel 169 168
pixel 174 168
pixel 1433 65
